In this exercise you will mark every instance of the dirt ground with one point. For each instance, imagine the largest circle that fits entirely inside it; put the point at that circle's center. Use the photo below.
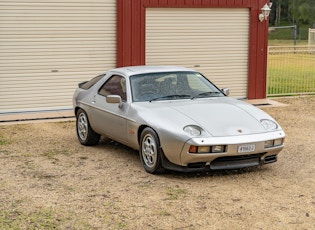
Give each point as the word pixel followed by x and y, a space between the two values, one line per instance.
pixel 49 181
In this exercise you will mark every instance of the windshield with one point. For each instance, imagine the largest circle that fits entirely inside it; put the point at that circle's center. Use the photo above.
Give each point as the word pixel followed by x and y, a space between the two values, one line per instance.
pixel 172 86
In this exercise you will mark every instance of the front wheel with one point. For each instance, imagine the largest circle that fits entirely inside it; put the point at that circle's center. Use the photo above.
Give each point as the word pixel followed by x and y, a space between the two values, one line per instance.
pixel 150 151
pixel 85 133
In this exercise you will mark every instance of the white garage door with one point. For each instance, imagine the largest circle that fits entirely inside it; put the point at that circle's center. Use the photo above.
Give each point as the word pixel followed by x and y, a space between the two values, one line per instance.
pixel 214 41
pixel 48 46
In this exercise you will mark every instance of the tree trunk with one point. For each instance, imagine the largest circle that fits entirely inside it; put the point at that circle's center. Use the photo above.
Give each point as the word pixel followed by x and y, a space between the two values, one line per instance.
pixel 278 14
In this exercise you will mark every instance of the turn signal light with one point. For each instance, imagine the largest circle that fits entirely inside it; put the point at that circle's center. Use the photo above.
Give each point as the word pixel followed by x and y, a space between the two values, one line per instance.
pixel 273 143
pixel 207 149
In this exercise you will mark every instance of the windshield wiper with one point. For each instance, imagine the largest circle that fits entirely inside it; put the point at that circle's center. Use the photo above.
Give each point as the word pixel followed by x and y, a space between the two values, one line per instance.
pixel 173 96
pixel 206 94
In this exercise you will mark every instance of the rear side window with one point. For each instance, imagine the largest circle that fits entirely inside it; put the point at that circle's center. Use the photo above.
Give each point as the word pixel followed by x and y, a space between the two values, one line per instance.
pixel 116 85
pixel 91 82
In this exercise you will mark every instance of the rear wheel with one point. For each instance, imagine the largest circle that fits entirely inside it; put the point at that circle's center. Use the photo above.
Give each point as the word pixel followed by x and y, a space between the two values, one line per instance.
pixel 85 133
pixel 150 151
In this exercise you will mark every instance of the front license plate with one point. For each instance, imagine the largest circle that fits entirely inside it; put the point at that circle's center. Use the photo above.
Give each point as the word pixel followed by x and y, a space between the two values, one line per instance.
pixel 246 148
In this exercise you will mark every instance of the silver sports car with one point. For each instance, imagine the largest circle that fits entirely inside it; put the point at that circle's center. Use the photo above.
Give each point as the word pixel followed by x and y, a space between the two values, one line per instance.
pixel 176 118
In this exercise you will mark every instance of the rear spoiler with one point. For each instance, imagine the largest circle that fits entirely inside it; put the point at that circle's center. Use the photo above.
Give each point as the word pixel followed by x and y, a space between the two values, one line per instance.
pixel 81 84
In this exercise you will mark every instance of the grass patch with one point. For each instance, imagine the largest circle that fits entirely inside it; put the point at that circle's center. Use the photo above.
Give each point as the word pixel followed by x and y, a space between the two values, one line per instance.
pixel 54 153
pixel 40 219
pixel 17 217
pixel 288 33
pixel 4 141
pixel 113 216
pixel 291 73
pixel 175 193
pixel 277 42
pixel 164 213
pixel 51 154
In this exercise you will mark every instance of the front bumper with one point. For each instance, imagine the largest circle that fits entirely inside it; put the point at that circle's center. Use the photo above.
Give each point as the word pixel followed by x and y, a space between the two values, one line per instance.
pixel 222 163
pixel 231 158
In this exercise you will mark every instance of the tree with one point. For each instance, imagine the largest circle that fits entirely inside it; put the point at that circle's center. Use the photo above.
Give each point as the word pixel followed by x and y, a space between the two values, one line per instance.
pixel 302 10
pixel 293 12
pixel 279 12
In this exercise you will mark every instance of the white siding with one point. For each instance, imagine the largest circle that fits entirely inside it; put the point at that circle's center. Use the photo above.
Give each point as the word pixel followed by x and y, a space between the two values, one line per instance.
pixel 214 41
pixel 48 46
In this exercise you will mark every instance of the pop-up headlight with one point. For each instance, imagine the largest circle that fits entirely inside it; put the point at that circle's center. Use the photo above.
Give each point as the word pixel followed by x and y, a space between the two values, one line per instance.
pixel 269 124
pixel 192 130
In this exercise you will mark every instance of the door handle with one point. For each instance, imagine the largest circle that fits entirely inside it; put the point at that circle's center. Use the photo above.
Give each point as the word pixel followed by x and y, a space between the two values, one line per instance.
pixel 94 100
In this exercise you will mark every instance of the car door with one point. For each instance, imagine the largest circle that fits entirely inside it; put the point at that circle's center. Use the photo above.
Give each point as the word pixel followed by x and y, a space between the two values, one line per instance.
pixel 109 118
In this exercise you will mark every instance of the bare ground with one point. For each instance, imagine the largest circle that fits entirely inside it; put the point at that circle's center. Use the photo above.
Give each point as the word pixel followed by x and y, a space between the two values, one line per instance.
pixel 48 180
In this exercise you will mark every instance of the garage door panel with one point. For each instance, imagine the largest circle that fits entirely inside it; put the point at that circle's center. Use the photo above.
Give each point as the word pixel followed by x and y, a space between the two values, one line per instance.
pixel 24 71
pixel 48 47
pixel 56 78
pixel 213 41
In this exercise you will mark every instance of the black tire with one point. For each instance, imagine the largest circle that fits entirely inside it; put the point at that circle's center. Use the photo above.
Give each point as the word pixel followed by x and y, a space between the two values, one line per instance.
pixel 85 133
pixel 150 151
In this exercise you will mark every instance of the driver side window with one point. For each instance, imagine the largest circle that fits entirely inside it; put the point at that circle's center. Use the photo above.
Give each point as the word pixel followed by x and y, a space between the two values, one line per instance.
pixel 116 85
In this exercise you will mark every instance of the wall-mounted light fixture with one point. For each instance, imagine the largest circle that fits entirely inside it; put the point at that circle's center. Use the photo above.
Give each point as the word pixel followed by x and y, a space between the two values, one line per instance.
pixel 265 11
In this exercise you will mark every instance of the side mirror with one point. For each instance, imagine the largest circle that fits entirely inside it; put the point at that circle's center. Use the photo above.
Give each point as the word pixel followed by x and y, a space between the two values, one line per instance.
pixel 115 99
pixel 226 91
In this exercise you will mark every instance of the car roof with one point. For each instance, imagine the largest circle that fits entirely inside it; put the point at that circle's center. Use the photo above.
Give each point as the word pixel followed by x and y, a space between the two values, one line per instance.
pixel 132 70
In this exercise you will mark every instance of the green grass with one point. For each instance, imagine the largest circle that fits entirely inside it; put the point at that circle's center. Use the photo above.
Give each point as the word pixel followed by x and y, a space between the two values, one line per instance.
pixel 291 73
pixel 175 193
pixel 277 42
pixel 164 212
pixel 41 219
pixel 288 33
pixel 4 141
pixel 15 216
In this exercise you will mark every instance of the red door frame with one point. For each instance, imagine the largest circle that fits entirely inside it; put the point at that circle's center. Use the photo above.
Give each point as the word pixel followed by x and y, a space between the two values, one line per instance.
pixel 131 17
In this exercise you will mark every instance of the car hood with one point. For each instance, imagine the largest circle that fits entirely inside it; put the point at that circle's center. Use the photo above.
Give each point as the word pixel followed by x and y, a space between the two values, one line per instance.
pixel 217 116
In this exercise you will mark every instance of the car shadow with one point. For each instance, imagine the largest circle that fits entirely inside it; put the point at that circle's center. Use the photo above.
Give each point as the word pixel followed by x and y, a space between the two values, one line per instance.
pixel 113 147
pixel 213 173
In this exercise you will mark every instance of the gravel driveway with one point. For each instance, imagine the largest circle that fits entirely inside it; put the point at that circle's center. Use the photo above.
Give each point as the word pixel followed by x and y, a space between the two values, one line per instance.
pixel 49 181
